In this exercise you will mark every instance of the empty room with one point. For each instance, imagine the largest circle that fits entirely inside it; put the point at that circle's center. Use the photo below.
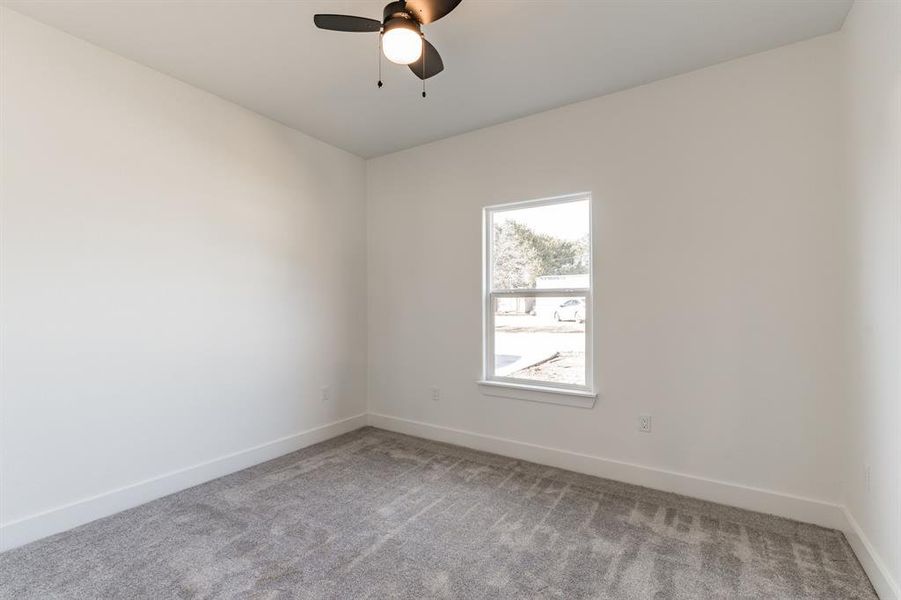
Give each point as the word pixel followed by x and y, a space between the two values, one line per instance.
pixel 450 299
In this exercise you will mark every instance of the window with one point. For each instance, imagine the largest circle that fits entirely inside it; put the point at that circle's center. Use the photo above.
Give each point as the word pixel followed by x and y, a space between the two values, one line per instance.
pixel 537 329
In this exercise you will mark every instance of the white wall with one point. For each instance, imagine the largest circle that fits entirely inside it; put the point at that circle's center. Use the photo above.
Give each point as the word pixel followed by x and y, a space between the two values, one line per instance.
pixel 180 277
pixel 719 266
pixel 871 41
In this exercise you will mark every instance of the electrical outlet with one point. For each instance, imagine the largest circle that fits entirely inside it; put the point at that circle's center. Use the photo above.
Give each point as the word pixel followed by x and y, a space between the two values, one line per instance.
pixel 436 394
pixel 866 478
pixel 644 423
pixel 325 393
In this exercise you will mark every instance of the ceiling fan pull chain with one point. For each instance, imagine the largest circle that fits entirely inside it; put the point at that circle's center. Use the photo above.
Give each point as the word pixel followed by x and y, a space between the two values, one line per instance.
pixel 423 67
pixel 380 60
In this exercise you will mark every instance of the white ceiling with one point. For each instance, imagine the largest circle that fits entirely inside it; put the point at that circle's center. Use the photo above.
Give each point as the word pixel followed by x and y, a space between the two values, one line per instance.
pixel 503 58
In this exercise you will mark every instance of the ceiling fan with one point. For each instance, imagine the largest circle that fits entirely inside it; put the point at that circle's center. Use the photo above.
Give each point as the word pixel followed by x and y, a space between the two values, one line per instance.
pixel 400 30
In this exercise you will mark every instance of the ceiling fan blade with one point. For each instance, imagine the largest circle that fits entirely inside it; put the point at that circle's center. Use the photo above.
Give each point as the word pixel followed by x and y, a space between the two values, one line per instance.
pixel 433 63
pixel 429 11
pixel 347 23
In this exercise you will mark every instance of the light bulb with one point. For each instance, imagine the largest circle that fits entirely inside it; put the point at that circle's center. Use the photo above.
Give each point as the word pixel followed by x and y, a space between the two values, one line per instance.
pixel 402 45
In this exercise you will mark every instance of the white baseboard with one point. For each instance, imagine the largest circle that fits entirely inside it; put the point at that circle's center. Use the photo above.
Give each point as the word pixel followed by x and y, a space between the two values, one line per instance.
pixel 886 587
pixel 766 501
pixel 34 527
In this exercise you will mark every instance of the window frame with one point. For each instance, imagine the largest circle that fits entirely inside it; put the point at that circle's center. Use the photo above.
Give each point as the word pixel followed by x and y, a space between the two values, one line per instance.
pixel 531 389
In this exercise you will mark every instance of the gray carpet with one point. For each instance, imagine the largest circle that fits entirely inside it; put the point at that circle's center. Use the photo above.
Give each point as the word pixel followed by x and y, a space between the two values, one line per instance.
pixel 374 514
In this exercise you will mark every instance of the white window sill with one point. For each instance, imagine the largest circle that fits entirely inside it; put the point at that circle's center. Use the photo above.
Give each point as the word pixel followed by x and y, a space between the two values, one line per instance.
pixel 538 393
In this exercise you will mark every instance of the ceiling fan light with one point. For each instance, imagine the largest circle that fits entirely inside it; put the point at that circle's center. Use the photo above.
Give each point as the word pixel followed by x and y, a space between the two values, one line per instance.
pixel 401 42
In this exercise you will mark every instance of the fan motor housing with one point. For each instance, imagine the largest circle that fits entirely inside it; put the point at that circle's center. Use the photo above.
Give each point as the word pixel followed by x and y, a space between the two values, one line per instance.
pixel 397 10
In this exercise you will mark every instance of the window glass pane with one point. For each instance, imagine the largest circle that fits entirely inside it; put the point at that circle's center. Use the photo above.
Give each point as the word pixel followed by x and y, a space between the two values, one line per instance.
pixel 540 339
pixel 541 247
